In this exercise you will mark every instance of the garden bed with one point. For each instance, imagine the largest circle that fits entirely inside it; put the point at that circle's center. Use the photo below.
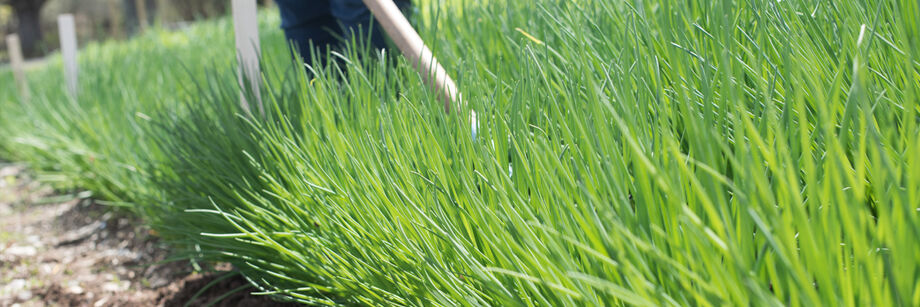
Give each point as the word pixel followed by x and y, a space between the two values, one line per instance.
pixel 65 250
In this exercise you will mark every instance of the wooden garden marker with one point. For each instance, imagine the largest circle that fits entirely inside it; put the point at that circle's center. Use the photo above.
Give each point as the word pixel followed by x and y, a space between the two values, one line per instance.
pixel 16 61
pixel 246 27
pixel 68 35
pixel 413 48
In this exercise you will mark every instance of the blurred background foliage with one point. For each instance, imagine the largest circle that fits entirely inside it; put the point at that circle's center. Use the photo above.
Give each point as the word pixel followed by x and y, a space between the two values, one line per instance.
pixel 36 20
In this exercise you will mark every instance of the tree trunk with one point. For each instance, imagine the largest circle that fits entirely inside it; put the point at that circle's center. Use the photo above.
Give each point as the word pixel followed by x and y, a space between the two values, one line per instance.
pixel 29 25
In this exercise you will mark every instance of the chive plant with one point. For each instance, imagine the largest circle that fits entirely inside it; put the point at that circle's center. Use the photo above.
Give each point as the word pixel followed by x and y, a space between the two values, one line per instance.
pixel 661 153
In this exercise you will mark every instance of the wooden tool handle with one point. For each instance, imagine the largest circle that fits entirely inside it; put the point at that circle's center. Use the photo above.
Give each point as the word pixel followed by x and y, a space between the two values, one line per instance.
pixel 413 48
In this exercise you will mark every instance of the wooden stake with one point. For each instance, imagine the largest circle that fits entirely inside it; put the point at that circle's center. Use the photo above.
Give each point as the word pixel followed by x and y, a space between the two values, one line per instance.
pixel 163 11
pixel 68 35
pixel 246 28
pixel 141 7
pixel 16 61
pixel 413 48
pixel 115 19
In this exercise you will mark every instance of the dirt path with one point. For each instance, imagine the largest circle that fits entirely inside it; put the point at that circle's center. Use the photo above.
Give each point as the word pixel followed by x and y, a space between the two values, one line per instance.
pixel 67 250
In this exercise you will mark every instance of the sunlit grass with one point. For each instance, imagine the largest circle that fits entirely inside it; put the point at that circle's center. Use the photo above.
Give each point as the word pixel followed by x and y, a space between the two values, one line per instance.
pixel 627 153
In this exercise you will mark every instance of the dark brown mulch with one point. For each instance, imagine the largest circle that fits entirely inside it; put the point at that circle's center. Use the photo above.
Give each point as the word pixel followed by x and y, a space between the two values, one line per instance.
pixel 65 250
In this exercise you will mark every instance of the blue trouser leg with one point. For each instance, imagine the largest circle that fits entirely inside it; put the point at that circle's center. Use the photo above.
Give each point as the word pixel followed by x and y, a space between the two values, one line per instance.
pixel 304 21
pixel 356 19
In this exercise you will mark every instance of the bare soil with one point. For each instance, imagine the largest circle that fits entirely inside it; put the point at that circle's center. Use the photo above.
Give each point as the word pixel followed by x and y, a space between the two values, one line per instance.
pixel 61 249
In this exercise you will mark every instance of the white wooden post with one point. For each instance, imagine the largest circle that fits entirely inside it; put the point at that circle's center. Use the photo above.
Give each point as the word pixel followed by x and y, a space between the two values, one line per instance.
pixel 246 27
pixel 16 61
pixel 68 34
pixel 140 6
pixel 163 11
pixel 115 18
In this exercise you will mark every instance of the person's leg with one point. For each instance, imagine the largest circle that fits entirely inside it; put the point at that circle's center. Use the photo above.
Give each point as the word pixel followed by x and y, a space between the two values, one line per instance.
pixel 306 21
pixel 355 17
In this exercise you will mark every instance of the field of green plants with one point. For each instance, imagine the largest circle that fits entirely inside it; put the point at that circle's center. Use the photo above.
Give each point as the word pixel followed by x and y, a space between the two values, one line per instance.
pixel 647 153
